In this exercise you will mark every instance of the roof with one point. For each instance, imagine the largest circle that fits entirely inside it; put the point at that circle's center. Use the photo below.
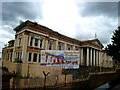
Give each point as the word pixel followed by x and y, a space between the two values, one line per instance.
pixel 11 41
pixel 46 29
pixel 92 41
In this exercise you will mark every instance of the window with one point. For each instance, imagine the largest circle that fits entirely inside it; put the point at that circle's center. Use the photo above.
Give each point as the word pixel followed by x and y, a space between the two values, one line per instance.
pixel 31 41
pixel 19 55
pixel 10 56
pixel 35 57
pixel 60 46
pixel 41 43
pixel 50 45
pixel 36 42
pixel 68 48
pixel 19 41
pixel 39 57
pixel 29 57
pixel 76 48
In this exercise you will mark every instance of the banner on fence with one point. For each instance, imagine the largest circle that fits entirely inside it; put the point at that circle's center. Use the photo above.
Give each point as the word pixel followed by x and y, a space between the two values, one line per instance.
pixel 64 59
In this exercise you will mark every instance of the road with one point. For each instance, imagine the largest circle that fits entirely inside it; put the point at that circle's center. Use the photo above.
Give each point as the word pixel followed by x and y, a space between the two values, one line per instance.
pixel 117 87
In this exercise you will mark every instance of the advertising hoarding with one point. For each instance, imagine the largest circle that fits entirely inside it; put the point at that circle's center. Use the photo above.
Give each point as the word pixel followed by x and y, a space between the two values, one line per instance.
pixel 64 59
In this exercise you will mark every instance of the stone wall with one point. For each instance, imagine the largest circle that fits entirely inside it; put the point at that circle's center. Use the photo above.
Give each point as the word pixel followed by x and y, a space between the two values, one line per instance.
pixel 69 79
pixel 39 82
pixel 61 79
pixel 33 70
pixel 36 76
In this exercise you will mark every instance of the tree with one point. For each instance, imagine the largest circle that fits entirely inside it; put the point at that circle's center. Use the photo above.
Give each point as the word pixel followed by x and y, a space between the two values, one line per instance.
pixel 113 49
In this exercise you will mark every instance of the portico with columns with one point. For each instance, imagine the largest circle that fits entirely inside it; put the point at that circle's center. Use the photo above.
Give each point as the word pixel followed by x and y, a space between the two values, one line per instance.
pixel 90 53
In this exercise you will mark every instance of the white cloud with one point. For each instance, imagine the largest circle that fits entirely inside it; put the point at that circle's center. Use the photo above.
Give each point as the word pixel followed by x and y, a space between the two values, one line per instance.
pixel 62 15
pixel 5 36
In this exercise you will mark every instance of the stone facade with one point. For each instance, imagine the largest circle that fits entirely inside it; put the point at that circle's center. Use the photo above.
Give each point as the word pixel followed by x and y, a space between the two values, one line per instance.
pixel 31 38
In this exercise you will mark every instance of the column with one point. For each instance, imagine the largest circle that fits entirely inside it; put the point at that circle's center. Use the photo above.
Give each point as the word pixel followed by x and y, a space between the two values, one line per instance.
pixel 101 61
pixel 65 47
pixel 99 58
pixel 37 57
pixel 32 57
pixel 33 43
pixel 24 47
pixel 38 44
pixel 43 40
pixel 73 47
pixel 29 40
pixel 81 56
pixel 15 44
pixel 56 45
pixel 94 58
pixel 105 60
pixel 91 57
pixel 46 44
pixel 87 59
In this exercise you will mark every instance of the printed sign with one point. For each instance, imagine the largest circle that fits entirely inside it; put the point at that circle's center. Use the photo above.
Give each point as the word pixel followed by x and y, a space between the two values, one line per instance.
pixel 64 59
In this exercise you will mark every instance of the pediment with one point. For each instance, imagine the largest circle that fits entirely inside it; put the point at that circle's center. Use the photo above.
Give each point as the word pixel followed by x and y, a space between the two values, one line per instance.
pixel 94 43
pixel 97 43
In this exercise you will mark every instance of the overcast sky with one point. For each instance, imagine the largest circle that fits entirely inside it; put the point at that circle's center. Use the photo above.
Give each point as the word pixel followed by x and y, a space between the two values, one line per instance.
pixel 76 19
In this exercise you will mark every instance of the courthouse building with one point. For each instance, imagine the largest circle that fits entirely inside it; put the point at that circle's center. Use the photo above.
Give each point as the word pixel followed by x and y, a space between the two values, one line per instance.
pixel 31 38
